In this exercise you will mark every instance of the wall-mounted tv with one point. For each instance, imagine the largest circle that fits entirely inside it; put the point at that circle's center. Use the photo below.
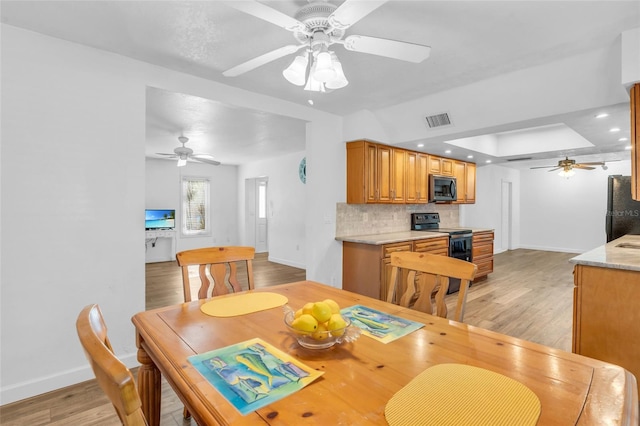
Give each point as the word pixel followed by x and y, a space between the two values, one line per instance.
pixel 159 219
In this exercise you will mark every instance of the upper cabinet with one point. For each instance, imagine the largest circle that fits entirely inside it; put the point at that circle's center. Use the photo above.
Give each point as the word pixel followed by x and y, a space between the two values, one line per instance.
pixel 383 174
pixel 635 141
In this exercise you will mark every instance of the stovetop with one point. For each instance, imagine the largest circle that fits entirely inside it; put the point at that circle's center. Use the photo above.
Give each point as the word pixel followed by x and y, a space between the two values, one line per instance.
pixel 430 222
pixel 450 231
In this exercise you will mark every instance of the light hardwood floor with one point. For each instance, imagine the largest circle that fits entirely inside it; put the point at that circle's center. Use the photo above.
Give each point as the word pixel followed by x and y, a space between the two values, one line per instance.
pixel 529 295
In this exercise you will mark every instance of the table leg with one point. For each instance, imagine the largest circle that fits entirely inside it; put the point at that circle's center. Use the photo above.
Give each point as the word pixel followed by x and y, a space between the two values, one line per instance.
pixel 149 387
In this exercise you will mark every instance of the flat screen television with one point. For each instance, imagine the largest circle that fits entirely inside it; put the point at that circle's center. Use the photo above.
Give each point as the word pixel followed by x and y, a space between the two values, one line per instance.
pixel 159 219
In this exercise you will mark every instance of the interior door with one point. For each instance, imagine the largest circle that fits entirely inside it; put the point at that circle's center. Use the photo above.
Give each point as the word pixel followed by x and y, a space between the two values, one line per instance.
pixel 261 228
pixel 505 228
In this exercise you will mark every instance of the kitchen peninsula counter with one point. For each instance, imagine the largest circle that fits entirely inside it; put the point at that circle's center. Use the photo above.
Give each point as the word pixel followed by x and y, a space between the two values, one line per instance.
pixel 622 253
pixel 605 303
pixel 398 237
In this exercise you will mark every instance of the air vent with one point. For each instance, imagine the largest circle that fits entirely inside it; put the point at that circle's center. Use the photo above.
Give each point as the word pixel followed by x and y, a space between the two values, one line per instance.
pixel 438 120
pixel 520 159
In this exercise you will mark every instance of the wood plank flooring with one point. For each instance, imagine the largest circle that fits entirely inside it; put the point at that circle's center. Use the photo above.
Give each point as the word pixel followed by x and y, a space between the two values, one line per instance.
pixel 529 295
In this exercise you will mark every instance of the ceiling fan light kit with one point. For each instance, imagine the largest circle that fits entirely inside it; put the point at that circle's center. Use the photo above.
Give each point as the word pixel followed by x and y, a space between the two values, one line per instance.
pixel 316 26
pixel 567 167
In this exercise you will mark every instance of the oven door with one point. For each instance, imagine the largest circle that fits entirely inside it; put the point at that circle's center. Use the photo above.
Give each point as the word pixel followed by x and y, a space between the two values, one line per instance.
pixel 460 248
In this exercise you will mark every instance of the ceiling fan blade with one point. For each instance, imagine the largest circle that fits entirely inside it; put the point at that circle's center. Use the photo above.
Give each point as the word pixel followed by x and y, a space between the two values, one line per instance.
pixel 595 163
pixel 404 51
pixel 166 155
pixel 206 160
pixel 542 167
pixel 583 167
pixel 351 11
pixel 557 168
pixel 267 13
pixel 262 60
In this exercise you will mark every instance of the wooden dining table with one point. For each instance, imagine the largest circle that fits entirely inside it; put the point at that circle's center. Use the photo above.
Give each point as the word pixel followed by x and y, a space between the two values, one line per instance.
pixel 360 377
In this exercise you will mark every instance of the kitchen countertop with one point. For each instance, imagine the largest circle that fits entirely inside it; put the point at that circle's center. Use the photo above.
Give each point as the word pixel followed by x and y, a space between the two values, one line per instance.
pixel 614 254
pixel 398 237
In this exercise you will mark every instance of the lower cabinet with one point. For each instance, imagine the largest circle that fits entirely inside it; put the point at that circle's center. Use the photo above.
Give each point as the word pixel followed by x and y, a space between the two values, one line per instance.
pixel 366 268
pixel 482 247
pixel 606 315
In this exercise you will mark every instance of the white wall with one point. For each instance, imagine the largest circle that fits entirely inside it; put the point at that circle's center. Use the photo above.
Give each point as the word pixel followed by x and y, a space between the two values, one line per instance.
pixel 73 198
pixel 163 181
pixel 72 206
pixel 286 198
pixel 567 215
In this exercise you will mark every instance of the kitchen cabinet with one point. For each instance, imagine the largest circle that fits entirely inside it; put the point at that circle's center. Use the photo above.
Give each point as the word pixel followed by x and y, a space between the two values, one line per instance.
pixel 381 174
pixel 440 166
pixel 465 174
pixel 635 141
pixel 375 173
pixel 366 268
pixel 606 315
pixel 417 178
pixel 482 248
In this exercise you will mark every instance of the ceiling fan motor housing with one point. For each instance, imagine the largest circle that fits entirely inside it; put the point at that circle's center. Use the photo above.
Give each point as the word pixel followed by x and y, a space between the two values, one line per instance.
pixel 315 17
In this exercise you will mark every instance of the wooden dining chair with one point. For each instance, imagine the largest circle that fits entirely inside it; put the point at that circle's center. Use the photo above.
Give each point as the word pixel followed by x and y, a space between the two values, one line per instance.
pixel 112 375
pixel 217 266
pixel 421 280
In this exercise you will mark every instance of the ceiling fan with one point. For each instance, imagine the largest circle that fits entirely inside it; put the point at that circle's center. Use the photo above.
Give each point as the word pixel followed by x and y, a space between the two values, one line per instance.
pixel 317 26
pixel 182 153
pixel 567 166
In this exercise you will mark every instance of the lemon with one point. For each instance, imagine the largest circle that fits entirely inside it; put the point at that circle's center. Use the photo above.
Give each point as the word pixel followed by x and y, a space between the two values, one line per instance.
pixel 298 313
pixel 321 332
pixel 336 325
pixel 321 311
pixel 306 323
pixel 307 308
pixel 335 308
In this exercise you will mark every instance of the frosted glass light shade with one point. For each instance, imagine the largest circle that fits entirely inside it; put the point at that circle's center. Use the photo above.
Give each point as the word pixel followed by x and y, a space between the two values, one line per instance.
pixel 341 80
pixel 567 173
pixel 324 70
pixel 182 162
pixel 296 72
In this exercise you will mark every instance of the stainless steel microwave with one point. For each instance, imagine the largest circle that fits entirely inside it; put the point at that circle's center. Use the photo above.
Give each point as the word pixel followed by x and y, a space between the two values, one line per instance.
pixel 442 188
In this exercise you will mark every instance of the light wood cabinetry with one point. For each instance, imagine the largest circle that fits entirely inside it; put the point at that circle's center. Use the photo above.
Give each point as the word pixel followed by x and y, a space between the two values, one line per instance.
pixel 635 141
pixel 465 174
pixel 378 173
pixel 366 269
pixel 606 315
pixel 482 248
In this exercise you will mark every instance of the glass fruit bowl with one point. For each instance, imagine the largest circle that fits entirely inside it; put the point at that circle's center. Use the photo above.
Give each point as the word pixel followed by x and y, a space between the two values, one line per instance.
pixel 321 339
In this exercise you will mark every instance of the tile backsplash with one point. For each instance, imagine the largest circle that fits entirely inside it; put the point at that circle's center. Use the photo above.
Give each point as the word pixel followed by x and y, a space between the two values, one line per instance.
pixel 369 219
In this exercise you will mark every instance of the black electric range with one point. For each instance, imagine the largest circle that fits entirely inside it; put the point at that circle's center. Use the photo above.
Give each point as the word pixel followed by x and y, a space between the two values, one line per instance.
pixel 460 239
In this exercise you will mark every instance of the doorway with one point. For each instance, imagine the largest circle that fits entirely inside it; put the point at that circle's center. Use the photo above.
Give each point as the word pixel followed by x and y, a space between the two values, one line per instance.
pixel 505 216
pixel 256 212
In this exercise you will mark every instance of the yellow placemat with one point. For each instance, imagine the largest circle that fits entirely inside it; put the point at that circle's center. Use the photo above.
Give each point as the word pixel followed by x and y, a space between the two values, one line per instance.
pixel 457 394
pixel 241 304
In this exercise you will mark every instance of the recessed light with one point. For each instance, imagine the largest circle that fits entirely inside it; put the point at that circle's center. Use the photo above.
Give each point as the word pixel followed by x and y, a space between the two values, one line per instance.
pixel 614 129
pixel 623 139
pixel 488 161
pixel 448 151
pixel 627 147
pixel 420 145
pixel 602 115
pixel 310 101
pixel 469 156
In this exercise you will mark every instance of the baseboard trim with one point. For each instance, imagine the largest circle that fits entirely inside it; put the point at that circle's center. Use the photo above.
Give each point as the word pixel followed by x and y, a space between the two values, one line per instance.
pixel 39 386
pixel 556 249
pixel 286 262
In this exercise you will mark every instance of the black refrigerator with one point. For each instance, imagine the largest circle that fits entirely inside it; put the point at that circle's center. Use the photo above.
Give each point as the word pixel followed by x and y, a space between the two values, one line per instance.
pixel 623 212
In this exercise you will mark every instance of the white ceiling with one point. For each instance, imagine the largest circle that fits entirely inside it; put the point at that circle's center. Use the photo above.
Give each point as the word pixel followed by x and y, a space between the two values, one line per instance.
pixel 470 41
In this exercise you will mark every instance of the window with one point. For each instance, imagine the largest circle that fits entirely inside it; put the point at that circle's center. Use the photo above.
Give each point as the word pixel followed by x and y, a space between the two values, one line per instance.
pixel 262 200
pixel 195 206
